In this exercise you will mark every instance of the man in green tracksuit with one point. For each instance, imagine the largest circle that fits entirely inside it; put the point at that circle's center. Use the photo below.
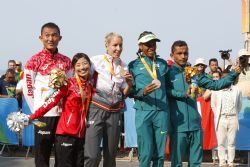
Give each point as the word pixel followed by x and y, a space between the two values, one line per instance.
pixel 186 135
pixel 152 113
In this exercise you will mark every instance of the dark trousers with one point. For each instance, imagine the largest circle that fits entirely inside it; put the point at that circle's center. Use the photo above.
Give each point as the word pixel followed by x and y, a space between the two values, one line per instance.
pixel 101 125
pixel 69 151
pixel 44 140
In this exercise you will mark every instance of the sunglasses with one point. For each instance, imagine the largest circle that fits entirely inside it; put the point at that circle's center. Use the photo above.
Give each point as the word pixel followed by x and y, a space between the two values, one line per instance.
pixel 200 65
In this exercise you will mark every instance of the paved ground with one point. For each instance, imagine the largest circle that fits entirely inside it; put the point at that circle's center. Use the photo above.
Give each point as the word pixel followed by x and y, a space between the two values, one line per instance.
pixel 15 157
pixel 22 162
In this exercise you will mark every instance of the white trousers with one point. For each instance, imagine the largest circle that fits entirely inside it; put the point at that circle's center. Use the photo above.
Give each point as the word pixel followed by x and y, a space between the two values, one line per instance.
pixel 226 133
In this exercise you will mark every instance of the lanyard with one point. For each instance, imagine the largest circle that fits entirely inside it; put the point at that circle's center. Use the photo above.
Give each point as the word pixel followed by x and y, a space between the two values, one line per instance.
pixel 110 67
pixel 152 73
pixel 83 94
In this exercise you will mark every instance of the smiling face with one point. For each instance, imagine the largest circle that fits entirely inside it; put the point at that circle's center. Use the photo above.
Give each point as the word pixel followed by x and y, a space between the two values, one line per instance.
pixel 50 38
pixel 148 48
pixel 114 46
pixel 82 68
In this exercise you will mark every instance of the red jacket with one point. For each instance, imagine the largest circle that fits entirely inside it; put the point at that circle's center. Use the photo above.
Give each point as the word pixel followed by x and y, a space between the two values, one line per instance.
pixel 72 120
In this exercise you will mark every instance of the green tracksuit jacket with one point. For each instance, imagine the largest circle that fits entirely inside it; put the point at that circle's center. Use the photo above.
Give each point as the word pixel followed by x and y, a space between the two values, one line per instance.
pixel 157 100
pixel 184 115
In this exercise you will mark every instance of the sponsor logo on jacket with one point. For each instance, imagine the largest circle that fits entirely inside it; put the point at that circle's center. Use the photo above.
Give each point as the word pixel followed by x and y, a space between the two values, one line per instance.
pixel 66 144
pixel 43 132
pixel 51 99
pixel 29 85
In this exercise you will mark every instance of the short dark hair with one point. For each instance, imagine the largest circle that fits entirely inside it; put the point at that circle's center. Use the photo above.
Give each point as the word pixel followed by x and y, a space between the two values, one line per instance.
pixel 10 70
pixel 77 57
pixel 213 59
pixel 178 43
pixel 50 25
pixel 11 61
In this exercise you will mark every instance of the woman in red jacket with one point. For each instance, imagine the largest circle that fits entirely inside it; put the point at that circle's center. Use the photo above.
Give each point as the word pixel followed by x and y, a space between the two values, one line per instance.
pixel 75 97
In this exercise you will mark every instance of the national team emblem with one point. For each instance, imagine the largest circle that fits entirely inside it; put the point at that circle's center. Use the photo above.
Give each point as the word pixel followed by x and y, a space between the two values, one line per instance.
pixel 45 67
pixel 60 66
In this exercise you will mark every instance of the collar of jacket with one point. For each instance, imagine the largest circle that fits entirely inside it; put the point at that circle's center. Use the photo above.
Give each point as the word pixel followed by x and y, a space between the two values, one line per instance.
pixel 48 54
pixel 143 55
pixel 110 58
pixel 180 68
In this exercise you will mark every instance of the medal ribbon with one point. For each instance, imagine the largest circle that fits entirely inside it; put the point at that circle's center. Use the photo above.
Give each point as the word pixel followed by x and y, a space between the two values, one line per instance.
pixel 110 67
pixel 151 72
pixel 83 94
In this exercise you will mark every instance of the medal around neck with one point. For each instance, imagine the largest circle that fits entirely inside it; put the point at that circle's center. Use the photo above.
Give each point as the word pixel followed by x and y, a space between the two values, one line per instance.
pixel 157 83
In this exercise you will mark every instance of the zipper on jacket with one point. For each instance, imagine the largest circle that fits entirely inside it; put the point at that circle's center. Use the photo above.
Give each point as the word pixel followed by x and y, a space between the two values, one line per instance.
pixel 184 83
pixel 69 118
pixel 113 92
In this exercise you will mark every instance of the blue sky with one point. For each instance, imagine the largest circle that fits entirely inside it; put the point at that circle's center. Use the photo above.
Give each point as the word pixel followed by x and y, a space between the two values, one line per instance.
pixel 207 26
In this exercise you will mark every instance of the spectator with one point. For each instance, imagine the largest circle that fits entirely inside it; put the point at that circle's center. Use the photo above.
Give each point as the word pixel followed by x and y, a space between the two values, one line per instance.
pixel 8 85
pixel 19 71
pixel 11 65
pixel 213 65
pixel 19 93
pixel 211 129
pixel 201 66
pixel 149 91
pixel 226 105
pixel 35 89
pixel 186 136
pixel 243 81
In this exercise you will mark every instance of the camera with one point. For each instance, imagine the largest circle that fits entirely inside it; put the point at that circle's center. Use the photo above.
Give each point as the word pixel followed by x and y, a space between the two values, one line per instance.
pixel 225 55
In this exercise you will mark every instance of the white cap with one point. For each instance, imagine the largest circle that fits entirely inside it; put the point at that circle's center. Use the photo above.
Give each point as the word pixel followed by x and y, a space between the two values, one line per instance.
pixel 148 38
pixel 243 52
pixel 200 61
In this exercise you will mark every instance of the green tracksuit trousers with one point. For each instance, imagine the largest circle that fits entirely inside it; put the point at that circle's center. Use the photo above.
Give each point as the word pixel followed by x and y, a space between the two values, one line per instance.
pixel 184 144
pixel 152 129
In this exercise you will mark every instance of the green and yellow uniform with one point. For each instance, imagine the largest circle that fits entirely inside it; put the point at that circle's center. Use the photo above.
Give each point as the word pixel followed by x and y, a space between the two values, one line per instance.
pixel 152 111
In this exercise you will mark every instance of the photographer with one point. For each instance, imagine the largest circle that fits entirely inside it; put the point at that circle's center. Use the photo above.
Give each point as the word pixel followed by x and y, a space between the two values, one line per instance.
pixel 243 81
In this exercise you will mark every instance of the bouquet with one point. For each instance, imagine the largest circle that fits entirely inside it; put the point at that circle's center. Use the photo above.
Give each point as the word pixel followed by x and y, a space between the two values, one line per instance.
pixel 16 121
pixel 57 79
pixel 191 76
